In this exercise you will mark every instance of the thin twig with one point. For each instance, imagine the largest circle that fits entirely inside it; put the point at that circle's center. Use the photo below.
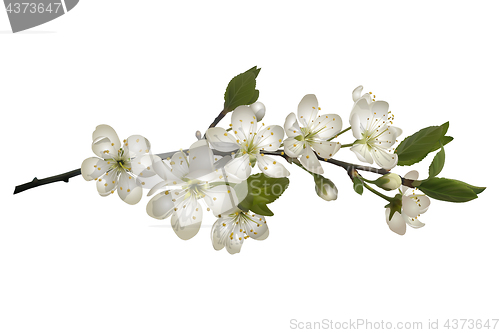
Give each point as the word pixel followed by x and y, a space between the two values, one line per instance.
pixel 347 166
pixel 342 164
pixel 217 119
pixel 39 182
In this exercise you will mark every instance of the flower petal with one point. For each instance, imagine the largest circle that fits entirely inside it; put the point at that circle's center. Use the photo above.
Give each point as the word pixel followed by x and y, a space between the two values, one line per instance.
pixel 221 140
pixel 186 221
pixel 397 223
pixel 93 168
pixel 222 199
pixel 292 128
pixel 184 232
pixel 362 109
pixel 137 145
pixel 259 109
pixel 271 168
pixel 243 122
pixel 270 137
pixel 234 243
pixel 326 149
pixel 356 93
pixel 307 110
pixel 220 232
pixel 292 147
pixel 142 165
pixel 397 131
pixel 379 109
pixel 413 221
pixel 160 206
pixel 414 205
pixel 356 127
pixel 163 168
pixel 188 211
pixel 104 148
pixel 129 189
pixel 383 158
pixel 157 187
pixel 179 165
pixel 310 161
pixel 387 139
pixel 362 152
pixel 107 183
pixel 201 160
pixel 239 167
pixel 328 126
pixel 108 132
pixel 257 229
pixel 410 175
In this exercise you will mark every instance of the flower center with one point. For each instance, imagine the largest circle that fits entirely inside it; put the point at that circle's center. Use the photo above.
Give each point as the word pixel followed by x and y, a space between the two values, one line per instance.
pixel 195 188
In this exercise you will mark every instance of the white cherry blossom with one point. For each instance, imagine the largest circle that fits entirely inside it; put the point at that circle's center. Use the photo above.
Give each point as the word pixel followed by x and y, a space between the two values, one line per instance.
pixel 247 143
pixel 189 178
pixel 312 134
pixel 414 204
pixel 118 167
pixel 232 228
pixel 371 124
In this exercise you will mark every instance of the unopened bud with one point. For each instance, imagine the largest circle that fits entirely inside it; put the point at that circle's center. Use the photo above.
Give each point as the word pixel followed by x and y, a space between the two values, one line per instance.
pixel 389 182
pixel 259 109
pixel 198 135
pixel 325 188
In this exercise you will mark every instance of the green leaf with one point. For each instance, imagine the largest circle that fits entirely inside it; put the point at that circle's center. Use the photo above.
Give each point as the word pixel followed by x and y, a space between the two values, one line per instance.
pixel 254 98
pixel 444 140
pixel 445 127
pixel 415 148
pixel 254 70
pixel 449 190
pixel 260 206
pixel 241 90
pixel 476 189
pixel 263 190
pixel 357 184
pixel 437 163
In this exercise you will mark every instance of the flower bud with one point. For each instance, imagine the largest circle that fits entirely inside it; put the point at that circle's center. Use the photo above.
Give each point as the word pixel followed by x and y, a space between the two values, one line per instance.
pixel 259 109
pixel 389 182
pixel 325 188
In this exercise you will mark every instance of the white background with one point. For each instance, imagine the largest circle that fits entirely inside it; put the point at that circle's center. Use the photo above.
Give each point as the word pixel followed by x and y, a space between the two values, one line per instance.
pixel 71 261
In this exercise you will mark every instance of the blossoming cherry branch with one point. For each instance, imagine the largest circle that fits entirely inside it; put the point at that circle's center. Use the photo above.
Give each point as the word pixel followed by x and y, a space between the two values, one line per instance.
pixel 216 175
